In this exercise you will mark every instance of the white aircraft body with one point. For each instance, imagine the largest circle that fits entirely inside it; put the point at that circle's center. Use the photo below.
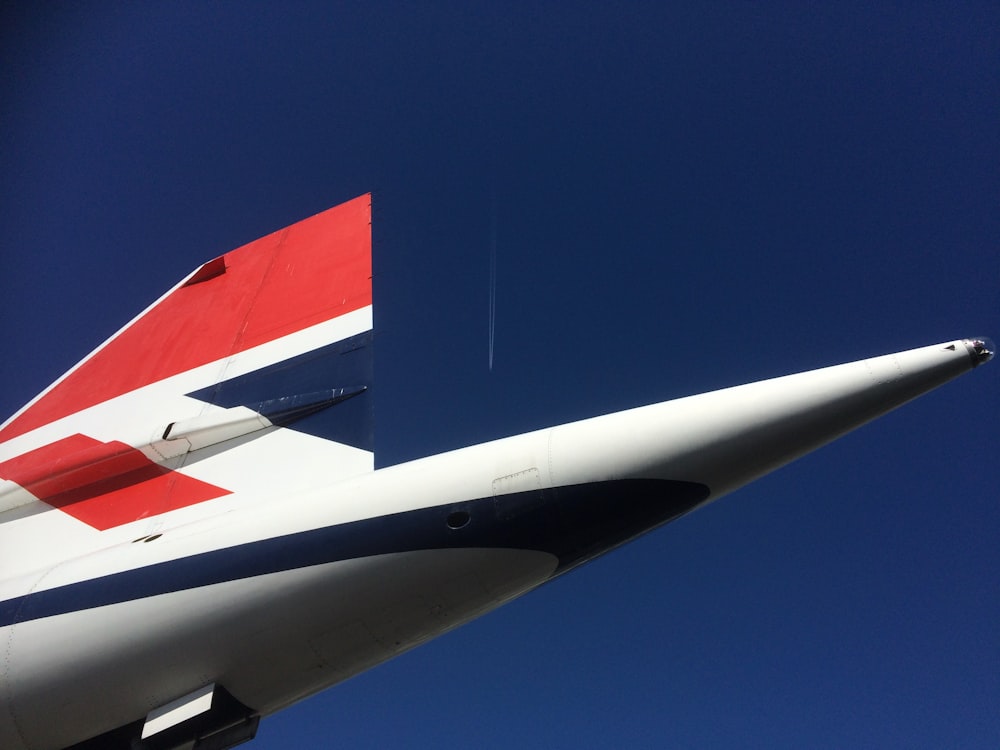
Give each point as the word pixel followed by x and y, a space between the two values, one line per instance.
pixel 193 534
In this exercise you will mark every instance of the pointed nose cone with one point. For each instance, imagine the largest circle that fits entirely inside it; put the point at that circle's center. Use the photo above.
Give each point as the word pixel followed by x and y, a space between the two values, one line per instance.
pixel 727 438
pixel 981 350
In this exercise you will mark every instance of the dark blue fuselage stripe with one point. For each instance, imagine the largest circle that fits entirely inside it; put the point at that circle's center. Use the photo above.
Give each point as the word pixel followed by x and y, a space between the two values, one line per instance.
pixel 574 523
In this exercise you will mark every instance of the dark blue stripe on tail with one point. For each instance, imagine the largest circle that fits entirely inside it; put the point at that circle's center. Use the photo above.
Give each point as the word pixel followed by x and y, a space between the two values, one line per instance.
pixel 342 366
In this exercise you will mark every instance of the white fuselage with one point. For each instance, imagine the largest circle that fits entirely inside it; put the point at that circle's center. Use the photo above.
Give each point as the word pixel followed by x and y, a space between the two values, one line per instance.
pixel 280 599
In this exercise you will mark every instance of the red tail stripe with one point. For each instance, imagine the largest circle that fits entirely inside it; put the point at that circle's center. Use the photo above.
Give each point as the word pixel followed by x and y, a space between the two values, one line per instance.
pixel 103 484
pixel 310 272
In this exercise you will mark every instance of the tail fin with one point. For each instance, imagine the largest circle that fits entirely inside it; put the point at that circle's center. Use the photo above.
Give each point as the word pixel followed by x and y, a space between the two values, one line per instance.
pixel 259 356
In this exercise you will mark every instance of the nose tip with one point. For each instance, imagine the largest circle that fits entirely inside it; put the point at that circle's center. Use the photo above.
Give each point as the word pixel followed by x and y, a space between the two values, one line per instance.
pixel 980 349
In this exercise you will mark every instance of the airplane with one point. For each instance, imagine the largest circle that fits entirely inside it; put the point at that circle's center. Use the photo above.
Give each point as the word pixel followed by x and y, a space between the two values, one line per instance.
pixel 193 534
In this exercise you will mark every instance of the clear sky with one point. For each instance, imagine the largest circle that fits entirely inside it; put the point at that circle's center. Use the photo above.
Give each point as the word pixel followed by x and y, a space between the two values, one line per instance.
pixel 681 198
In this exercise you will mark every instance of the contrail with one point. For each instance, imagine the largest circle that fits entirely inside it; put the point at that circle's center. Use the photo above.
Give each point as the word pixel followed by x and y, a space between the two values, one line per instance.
pixel 493 279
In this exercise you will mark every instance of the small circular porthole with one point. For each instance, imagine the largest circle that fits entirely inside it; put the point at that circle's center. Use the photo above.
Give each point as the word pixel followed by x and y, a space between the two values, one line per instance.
pixel 458 518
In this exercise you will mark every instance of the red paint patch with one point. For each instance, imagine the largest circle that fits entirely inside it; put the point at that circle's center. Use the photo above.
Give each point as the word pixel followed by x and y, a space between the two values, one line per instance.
pixel 208 271
pixel 310 272
pixel 104 484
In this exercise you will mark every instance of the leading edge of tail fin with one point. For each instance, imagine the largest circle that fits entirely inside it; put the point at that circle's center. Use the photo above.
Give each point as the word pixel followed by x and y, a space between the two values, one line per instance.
pixel 275 334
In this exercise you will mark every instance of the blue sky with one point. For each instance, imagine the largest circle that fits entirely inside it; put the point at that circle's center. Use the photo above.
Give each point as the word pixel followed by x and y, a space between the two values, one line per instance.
pixel 682 198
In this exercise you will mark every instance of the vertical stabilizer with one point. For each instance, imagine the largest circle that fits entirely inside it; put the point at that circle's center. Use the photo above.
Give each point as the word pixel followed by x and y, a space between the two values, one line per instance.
pixel 262 352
